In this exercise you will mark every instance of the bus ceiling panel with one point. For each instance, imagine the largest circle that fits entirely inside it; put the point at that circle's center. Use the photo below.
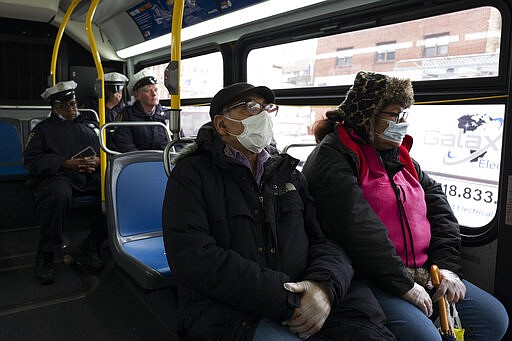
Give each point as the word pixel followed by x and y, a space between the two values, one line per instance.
pixel 76 31
pixel 105 11
pixel 129 35
pixel 294 18
pixel 129 23
pixel 221 30
pixel 31 10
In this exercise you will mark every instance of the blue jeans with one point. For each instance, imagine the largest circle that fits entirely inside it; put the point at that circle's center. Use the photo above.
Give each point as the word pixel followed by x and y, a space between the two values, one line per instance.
pixel 269 330
pixel 483 316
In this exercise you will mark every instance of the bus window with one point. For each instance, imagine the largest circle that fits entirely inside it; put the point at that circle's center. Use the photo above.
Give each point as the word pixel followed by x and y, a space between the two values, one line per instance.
pixel 200 76
pixel 460 147
pixel 192 118
pixel 454 45
pixel 292 125
pixel 467 142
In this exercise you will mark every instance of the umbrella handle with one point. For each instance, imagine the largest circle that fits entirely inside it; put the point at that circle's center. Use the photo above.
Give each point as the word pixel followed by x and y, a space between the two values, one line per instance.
pixel 435 277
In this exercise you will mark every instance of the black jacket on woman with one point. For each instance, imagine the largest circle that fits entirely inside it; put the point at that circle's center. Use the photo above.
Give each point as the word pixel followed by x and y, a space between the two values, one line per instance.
pixel 231 245
pixel 332 174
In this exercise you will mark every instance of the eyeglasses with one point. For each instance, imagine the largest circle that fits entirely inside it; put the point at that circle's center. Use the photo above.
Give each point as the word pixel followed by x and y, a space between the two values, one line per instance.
pixel 65 106
pixel 253 107
pixel 115 87
pixel 398 116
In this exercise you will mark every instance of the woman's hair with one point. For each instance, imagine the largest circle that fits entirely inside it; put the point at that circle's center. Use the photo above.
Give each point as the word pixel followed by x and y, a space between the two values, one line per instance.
pixel 325 126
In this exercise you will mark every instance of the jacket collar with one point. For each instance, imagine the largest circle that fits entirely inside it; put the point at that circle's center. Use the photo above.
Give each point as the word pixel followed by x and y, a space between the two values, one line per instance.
pixel 139 110
pixel 209 141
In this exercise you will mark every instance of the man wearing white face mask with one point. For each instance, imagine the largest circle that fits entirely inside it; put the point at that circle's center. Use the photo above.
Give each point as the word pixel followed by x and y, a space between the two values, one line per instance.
pixel 243 242
pixel 393 220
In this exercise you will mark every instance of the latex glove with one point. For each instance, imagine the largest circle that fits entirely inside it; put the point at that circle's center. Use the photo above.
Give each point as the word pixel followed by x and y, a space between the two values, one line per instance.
pixel 418 296
pixel 451 286
pixel 315 306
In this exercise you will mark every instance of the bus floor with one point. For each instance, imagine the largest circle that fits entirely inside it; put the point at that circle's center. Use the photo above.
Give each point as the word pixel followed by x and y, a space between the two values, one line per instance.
pixel 79 305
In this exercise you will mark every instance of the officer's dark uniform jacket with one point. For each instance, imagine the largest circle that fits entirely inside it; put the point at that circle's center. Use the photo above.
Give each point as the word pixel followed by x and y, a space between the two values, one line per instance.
pixel 53 141
pixel 110 114
pixel 128 139
pixel 232 244
pixel 332 173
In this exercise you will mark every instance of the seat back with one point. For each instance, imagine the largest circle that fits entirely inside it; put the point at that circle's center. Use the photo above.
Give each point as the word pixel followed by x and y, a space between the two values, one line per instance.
pixel 11 149
pixel 135 187
pixel 139 196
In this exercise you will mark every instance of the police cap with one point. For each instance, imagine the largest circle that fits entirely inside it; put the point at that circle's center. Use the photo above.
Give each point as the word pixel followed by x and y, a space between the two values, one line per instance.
pixel 140 79
pixel 62 91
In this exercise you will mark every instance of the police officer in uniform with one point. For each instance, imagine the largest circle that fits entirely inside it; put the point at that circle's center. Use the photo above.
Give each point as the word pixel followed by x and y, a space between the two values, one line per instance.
pixel 115 84
pixel 143 86
pixel 62 158
pixel 114 87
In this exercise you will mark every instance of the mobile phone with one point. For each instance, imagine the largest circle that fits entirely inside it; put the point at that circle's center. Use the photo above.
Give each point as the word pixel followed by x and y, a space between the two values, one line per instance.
pixel 86 152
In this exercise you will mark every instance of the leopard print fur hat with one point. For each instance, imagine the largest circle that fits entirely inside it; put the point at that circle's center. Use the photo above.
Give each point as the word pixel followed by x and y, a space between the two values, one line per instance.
pixel 371 93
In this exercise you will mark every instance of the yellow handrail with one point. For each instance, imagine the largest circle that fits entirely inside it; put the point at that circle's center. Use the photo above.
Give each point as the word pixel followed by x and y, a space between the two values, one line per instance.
pixel 177 19
pixel 101 77
pixel 58 38
pixel 462 99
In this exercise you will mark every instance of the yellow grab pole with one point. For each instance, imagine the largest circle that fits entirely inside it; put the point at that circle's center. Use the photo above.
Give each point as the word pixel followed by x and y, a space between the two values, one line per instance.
pixel 101 77
pixel 177 19
pixel 172 72
pixel 58 39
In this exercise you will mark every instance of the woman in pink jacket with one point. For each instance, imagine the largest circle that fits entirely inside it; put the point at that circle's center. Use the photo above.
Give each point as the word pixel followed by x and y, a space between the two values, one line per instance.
pixel 393 220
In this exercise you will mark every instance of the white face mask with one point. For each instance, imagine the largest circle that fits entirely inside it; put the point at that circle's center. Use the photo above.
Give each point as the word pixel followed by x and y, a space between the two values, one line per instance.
pixel 395 132
pixel 257 131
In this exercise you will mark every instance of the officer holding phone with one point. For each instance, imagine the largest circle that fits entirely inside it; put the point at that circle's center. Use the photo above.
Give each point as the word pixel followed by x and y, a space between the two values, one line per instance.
pixel 61 156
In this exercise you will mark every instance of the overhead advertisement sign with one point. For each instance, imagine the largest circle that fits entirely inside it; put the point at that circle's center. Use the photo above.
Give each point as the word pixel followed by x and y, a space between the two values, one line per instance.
pixel 154 17
pixel 460 147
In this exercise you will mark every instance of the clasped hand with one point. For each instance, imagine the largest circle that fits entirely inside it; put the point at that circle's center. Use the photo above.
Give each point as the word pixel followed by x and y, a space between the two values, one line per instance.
pixel 82 165
pixel 451 286
pixel 315 306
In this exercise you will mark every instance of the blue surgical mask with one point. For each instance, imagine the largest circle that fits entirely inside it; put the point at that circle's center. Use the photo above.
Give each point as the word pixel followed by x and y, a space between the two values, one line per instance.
pixel 395 132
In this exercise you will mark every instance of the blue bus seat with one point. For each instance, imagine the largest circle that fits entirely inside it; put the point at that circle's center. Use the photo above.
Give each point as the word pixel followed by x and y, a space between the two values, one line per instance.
pixel 11 150
pixel 135 188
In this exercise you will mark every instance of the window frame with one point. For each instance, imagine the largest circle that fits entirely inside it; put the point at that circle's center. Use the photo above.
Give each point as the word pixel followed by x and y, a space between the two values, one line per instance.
pixel 492 90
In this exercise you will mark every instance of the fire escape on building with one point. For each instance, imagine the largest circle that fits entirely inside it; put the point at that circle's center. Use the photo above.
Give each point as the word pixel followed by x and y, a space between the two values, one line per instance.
pixel 476 65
